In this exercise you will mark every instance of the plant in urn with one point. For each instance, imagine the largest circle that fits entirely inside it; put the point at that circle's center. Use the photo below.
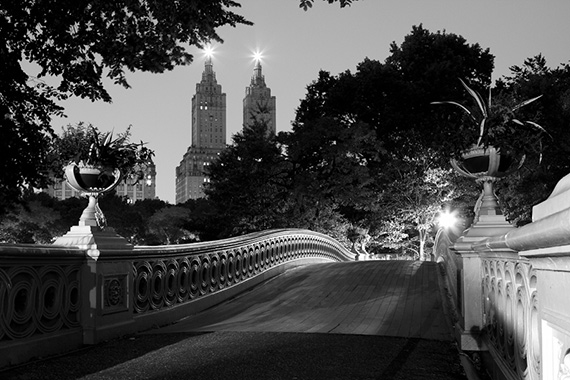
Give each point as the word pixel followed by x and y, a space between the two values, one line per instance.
pixel 99 163
pixel 499 150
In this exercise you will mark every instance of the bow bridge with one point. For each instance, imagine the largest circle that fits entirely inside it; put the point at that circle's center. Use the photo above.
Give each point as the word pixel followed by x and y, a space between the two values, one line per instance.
pixel 498 291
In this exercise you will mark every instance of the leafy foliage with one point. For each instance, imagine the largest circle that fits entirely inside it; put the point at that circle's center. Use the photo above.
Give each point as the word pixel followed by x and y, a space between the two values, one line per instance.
pixel 150 221
pixel 545 167
pixel 415 198
pixel 35 222
pixel 306 4
pixel 168 225
pixel 497 124
pixel 78 44
pixel 249 182
pixel 332 162
pixel 368 146
pixel 85 144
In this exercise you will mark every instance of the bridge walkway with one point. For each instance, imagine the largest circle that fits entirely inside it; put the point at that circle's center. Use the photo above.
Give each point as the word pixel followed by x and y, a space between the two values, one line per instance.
pixel 387 298
pixel 356 320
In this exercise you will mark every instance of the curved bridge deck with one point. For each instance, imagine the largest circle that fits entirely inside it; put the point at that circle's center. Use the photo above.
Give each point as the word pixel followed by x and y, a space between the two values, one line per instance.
pixel 388 298
pixel 355 320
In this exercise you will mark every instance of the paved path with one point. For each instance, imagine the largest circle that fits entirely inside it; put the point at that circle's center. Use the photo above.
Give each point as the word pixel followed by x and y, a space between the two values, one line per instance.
pixel 388 298
pixel 358 320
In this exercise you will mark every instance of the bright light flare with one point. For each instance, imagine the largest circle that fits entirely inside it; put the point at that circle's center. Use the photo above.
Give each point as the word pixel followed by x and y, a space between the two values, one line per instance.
pixel 208 51
pixel 447 219
pixel 257 55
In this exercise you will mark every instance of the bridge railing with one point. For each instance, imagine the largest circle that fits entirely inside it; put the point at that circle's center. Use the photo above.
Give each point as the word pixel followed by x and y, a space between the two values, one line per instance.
pixel 55 299
pixel 513 293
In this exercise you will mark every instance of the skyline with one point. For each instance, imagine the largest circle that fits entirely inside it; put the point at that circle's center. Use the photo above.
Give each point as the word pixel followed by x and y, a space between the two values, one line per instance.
pixel 295 45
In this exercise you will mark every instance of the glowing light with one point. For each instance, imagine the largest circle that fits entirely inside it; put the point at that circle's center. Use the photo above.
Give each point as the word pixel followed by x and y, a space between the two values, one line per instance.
pixel 447 219
pixel 257 55
pixel 209 51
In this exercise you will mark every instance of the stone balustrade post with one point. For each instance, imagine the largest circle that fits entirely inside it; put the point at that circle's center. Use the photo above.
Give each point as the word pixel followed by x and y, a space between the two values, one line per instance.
pixel 489 221
pixel 106 278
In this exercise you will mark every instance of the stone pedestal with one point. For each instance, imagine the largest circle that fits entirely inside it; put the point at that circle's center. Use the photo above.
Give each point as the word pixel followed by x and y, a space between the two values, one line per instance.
pixel 94 240
pixel 106 277
pixel 489 221
pixel 106 281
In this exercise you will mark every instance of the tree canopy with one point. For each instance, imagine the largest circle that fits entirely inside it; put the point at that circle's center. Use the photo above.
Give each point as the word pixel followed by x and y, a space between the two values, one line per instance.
pixel 248 183
pixel 79 43
pixel 522 190
pixel 306 4
pixel 367 159
pixel 365 151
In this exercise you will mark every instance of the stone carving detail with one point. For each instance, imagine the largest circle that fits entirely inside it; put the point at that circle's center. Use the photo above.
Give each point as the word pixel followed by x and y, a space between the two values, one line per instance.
pixel 160 283
pixel 114 294
pixel 38 300
pixel 511 315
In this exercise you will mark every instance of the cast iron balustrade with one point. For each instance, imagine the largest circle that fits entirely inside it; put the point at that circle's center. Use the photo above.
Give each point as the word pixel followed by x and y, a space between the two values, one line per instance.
pixel 39 291
pixel 54 299
pixel 164 277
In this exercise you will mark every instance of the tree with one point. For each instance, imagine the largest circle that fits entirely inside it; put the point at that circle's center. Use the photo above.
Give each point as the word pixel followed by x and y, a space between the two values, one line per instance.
pixel 429 65
pixel 203 221
pixel 147 207
pixel 440 58
pixel 368 144
pixel 394 97
pixel 306 4
pixel 415 198
pixel 167 226
pixel 122 217
pixel 249 183
pixel 534 182
pixel 79 43
pixel 35 222
pixel 69 211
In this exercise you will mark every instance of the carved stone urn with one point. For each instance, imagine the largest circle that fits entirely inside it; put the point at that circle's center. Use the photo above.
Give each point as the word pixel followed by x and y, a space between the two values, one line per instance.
pixel 90 233
pixel 480 162
pixel 92 182
pixel 486 165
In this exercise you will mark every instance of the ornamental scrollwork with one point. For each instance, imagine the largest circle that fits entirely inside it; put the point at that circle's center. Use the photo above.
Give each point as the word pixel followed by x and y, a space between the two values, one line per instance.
pixel 38 300
pixel 511 315
pixel 160 283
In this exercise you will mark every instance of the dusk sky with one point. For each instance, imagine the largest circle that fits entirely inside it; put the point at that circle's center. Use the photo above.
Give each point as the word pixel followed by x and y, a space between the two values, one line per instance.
pixel 297 44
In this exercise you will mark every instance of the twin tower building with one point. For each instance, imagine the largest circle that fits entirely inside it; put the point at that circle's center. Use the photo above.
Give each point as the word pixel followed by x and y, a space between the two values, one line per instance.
pixel 209 127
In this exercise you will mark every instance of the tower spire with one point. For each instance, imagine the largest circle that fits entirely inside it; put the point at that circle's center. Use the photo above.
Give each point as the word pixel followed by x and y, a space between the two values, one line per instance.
pixel 208 69
pixel 258 78
pixel 259 104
